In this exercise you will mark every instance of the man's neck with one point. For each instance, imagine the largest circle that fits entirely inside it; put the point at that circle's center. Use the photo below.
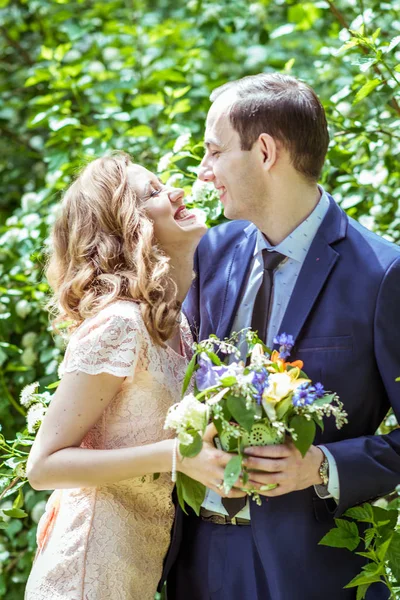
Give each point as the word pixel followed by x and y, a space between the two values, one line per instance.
pixel 286 211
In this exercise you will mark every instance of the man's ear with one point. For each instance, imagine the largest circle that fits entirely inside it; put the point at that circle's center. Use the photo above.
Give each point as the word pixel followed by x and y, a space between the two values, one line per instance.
pixel 268 149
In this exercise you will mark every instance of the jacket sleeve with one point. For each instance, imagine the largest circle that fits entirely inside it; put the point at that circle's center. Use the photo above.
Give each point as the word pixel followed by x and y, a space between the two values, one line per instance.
pixel 376 458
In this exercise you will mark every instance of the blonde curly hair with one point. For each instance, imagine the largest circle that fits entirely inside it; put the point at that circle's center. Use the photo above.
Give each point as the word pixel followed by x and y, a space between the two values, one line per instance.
pixel 103 249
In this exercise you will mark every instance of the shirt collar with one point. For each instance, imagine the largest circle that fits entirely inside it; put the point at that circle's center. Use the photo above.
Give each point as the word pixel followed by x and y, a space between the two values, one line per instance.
pixel 297 244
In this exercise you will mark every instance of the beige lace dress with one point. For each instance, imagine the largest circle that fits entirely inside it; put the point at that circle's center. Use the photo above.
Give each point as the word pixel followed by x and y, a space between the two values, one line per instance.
pixel 108 543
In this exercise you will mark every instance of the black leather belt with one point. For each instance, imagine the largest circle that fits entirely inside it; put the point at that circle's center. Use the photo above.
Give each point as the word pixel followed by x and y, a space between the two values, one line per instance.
pixel 218 519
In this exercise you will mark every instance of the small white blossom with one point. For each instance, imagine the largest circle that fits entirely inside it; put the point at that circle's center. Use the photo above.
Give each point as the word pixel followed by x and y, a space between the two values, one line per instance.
pixel 174 179
pixel 35 416
pixel 164 162
pixel 23 308
pixel 27 393
pixel 189 413
pixel 29 201
pixel 181 142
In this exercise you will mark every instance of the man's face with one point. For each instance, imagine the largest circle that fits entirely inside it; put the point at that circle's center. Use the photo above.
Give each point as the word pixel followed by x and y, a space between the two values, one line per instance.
pixel 237 174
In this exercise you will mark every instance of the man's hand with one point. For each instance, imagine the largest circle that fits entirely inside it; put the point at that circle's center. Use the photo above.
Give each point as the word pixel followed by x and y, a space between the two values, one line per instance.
pixel 209 465
pixel 282 465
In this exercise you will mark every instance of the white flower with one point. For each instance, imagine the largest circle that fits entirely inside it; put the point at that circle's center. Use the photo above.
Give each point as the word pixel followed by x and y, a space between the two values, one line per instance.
pixel 35 417
pixel 23 308
pixel 200 214
pixel 29 357
pixel 185 438
pixel 189 413
pixel 175 178
pixel 27 392
pixel 29 339
pixel 200 189
pixel 164 162
pixel 279 386
pixel 181 142
pixel 29 201
pixel 31 221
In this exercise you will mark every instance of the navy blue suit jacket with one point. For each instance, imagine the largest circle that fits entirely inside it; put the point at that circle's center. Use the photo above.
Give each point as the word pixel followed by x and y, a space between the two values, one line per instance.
pixel 344 314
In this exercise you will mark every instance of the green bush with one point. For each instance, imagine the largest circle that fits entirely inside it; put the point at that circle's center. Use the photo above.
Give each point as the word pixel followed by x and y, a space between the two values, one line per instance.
pixel 84 77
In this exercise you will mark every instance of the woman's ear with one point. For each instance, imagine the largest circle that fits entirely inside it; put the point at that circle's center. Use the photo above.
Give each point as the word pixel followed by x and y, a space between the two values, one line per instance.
pixel 268 149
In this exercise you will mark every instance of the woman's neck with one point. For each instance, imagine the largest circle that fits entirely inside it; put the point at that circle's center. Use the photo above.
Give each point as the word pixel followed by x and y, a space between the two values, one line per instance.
pixel 181 270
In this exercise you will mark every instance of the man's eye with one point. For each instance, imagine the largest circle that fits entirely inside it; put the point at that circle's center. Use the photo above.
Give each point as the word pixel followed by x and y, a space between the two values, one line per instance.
pixel 216 153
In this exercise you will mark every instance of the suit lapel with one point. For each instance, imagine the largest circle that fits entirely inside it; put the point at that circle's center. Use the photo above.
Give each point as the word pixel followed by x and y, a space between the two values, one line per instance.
pixel 237 277
pixel 317 267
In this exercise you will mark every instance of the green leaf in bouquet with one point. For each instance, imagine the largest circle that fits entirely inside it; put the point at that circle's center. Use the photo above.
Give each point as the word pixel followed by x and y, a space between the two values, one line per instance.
pixel 190 491
pixel 344 535
pixel 191 450
pixel 243 415
pixel 232 472
pixel 212 356
pixel 305 432
pixel 228 381
pixel 319 421
pixel 188 374
pixel 283 407
pixel 327 399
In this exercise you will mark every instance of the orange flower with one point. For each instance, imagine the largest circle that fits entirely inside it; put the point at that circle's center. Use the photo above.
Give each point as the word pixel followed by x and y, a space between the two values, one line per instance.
pixel 282 364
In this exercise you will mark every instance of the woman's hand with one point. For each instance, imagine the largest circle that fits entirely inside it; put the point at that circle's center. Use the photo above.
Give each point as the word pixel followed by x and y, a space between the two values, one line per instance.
pixel 208 466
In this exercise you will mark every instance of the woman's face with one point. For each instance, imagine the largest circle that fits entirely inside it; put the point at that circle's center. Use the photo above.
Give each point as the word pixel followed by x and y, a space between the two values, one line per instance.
pixel 173 222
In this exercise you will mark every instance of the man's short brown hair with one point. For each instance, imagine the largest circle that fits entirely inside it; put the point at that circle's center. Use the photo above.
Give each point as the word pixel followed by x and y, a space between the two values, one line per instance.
pixel 285 108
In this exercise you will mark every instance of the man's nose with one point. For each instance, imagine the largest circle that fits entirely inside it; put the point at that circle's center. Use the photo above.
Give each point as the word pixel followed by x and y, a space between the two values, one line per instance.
pixel 176 195
pixel 205 171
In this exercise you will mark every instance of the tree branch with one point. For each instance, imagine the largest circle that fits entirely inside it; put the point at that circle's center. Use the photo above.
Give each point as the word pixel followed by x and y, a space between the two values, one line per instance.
pixel 339 16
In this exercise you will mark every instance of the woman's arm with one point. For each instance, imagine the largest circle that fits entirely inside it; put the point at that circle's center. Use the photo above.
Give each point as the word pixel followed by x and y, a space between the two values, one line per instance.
pixel 56 460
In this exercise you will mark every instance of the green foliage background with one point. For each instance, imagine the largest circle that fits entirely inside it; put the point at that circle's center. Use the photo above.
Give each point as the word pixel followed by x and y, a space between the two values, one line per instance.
pixel 80 78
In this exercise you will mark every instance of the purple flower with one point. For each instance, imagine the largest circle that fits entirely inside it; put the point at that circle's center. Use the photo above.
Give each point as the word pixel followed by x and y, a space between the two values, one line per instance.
pixel 318 390
pixel 303 395
pixel 286 343
pixel 208 375
pixel 259 382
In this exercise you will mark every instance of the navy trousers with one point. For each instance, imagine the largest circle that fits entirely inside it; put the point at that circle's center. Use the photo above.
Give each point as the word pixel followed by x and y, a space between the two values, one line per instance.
pixel 217 562
pixel 221 562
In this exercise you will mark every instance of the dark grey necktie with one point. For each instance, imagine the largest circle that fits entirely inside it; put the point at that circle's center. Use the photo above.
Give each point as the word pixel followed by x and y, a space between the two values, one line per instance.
pixel 259 322
pixel 263 302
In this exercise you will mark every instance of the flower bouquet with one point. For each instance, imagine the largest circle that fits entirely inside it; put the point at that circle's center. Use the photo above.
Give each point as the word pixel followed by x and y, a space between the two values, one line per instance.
pixel 253 404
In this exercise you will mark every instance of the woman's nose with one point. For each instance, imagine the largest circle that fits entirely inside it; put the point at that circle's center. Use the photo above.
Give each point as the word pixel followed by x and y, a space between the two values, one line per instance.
pixel 176 195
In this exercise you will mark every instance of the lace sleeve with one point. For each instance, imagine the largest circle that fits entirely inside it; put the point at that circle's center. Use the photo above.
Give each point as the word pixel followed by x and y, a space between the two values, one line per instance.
pixel 106 343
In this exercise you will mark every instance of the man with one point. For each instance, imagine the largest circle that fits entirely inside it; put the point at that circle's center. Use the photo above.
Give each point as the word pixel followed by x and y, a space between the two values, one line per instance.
pixel 332 285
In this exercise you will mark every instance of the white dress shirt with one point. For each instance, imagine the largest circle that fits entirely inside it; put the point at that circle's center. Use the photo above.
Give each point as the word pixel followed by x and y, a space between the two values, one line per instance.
pixel 295 247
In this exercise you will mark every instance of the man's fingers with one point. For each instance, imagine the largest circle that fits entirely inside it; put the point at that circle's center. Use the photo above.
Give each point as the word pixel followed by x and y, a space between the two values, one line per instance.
pixel 278 451
pixel 265 464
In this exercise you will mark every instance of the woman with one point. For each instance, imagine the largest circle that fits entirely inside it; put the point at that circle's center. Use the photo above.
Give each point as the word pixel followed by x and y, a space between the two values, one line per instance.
pixel 120 267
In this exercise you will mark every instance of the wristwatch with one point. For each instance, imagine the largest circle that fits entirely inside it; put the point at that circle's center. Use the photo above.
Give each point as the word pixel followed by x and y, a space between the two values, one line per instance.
pixel 324 471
